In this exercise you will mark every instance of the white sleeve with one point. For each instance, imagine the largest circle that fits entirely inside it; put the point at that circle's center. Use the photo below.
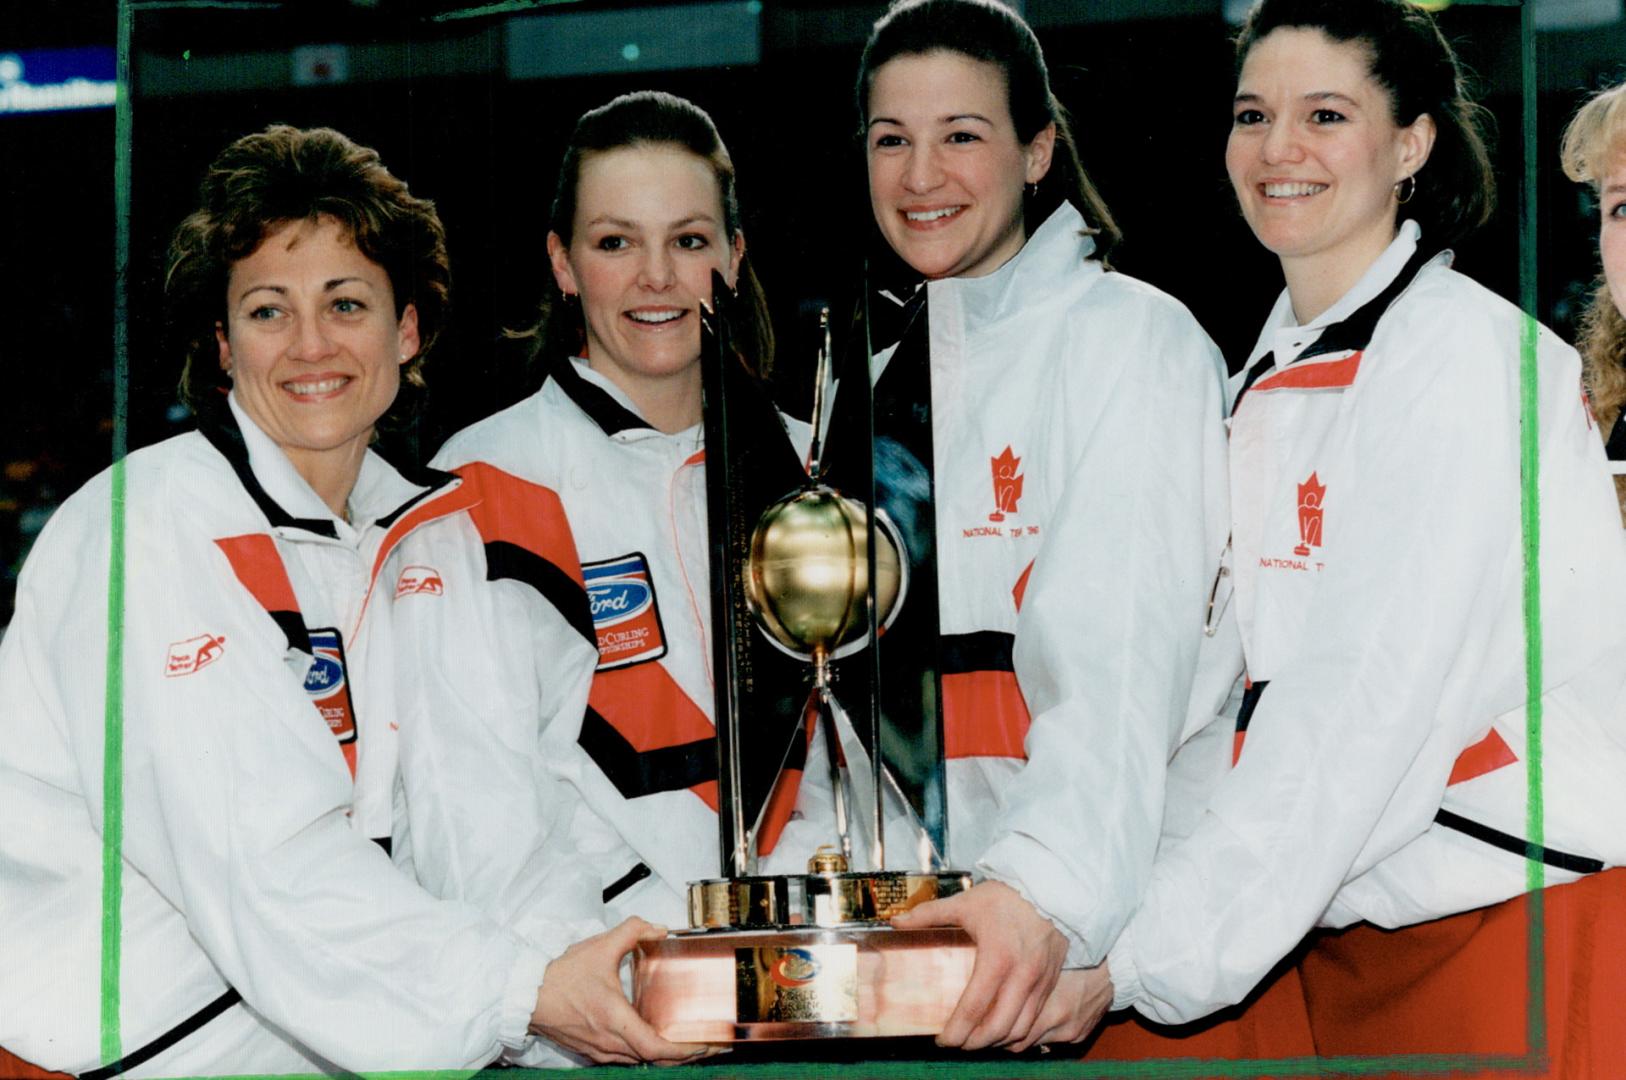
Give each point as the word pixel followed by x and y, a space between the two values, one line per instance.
pixel 234 805
pixel 1349 749
pixel 490 822
pixel 490 665
pixel 1107 638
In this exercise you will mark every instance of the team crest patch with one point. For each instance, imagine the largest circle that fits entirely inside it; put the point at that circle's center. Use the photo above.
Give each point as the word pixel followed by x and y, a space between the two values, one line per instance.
pixel 626 618
pixel 419 581
pixel 1007 484
pixel 1311 493
pixel 194 653
pixel 1310 510
pixel 328 684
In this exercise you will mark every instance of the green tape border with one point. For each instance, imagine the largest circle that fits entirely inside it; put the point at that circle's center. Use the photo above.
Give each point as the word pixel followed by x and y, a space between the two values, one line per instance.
pixel 1530 535
pixel 1014 1068
pixel 113 696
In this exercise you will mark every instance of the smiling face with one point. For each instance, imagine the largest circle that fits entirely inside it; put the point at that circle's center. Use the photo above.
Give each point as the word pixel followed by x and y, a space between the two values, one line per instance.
pixel 313 346
pixel 647 234
pixel 1612 231
pixel 946 169
pixel 1314 153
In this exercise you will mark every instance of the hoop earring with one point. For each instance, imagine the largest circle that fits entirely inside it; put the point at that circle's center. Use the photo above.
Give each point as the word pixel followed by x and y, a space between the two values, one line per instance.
pixel 1406 189
pixel 1033 190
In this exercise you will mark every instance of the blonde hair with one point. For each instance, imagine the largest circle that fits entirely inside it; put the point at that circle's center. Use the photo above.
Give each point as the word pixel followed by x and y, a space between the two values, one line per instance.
pixel 1595 136
pixel 1592 142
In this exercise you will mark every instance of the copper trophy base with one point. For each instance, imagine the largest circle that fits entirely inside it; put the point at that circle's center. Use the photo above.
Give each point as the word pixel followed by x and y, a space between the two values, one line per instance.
pixel 805 957
pixel 801 983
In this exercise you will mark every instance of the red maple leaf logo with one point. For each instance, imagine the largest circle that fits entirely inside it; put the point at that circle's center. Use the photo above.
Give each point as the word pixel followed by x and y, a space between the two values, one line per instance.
pixel 1311 494
pixel 1007 484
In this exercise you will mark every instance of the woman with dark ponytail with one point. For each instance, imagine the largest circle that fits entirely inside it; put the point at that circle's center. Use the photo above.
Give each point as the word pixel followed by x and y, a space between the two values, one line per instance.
pixel 1078 467
pixel 1377 781
pixel 645 212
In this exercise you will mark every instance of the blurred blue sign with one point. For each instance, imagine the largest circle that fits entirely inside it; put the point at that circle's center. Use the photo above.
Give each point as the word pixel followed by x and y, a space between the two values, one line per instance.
pixel 51 80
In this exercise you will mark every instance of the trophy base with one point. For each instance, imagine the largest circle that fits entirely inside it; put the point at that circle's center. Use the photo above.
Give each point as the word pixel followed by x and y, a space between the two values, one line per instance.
pixel 723 986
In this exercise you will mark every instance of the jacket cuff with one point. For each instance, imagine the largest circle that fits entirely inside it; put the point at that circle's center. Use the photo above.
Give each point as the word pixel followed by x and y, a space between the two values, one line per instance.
pixel 519 997
pixel 1078 952
pixel 1126 987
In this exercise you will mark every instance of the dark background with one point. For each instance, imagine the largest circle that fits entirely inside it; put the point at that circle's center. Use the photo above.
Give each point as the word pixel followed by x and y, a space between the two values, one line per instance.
pixel 1148 85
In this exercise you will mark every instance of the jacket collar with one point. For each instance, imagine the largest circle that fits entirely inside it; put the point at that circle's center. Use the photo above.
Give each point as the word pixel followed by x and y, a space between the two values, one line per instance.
pixel 1288 340
pixel 601 405
pixel 382 494
pixel 604 403
pixel 1055 250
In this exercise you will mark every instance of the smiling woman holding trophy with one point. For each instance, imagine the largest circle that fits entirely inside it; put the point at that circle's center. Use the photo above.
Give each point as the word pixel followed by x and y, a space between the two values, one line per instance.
pixel 1077 455
pixel 1419 496
pixel 323 860
pixel 644 220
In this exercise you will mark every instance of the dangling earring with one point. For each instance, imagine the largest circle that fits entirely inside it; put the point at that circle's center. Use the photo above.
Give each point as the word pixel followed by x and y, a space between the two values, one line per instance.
pixel 1406 189
pixel 1033 190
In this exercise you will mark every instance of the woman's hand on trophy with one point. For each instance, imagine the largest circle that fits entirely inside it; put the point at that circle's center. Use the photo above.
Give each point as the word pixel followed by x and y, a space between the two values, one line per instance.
pixel 1077 1004
pixel 1019 956
pixel 581 1007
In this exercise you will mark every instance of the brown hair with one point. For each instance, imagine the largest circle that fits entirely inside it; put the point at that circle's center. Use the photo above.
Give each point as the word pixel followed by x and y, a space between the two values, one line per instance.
pixel 989 31
pixel 284 174
pixel 645 118
pixel 1406 55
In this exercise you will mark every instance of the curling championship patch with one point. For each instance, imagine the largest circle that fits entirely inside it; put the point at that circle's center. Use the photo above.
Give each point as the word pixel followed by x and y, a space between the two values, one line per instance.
pixel 327 682
pixel 626 618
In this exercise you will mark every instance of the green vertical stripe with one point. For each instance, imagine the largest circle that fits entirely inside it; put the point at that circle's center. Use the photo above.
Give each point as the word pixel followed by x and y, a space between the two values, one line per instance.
pixel 113 708
pixel 1530 507
pixel 113 780
pixel 1530 523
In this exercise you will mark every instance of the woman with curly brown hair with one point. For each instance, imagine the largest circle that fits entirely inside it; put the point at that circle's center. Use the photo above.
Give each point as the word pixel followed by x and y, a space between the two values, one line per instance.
pixel 1595 154
pixel 285 831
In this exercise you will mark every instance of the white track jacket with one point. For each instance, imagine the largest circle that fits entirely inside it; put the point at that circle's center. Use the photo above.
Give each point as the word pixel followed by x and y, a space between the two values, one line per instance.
pixel 1379 590
pixel 249 853
pixel 1078 436
pixel 641 761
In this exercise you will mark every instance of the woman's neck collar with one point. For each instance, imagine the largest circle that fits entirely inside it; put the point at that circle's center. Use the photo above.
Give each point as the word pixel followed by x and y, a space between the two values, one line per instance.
pixel 668 403
pixel 330 474
pixel 1317 282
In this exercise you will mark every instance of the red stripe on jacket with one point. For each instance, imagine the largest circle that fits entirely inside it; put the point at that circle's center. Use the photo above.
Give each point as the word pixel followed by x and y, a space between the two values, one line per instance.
pixel 521 513
pixel 1314 376
pixel 258 565
pixel 984 715
pixel 648 708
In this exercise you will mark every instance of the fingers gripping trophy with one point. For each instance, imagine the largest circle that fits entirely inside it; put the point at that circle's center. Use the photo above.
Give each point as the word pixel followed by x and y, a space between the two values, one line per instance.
pixel 807 584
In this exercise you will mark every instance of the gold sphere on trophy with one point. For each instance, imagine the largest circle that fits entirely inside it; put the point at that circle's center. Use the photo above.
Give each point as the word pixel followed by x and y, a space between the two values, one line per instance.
pixel 807 578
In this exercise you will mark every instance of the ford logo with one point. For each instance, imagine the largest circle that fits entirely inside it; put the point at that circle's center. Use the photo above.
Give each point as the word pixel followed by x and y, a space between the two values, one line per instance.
pixel 616 601
pixel 324 677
